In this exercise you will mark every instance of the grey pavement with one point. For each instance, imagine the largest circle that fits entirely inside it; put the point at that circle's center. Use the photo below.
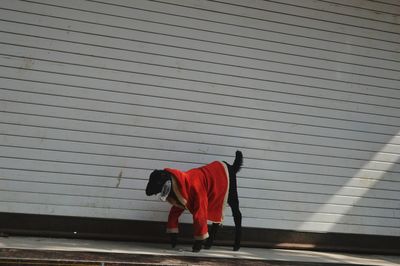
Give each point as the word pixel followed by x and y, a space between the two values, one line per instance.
pixel 158 250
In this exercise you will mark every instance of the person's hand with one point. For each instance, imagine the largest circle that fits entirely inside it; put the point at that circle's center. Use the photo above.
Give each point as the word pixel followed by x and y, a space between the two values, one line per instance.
pixel 197 245
pixel 173 238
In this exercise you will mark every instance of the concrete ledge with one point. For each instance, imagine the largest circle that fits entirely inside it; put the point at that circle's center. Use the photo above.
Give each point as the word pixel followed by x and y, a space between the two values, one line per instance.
pixel 49 250
pixel 145 231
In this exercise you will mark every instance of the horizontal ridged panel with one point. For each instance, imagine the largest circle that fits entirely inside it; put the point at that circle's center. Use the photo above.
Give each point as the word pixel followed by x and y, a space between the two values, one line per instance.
pixel 97 94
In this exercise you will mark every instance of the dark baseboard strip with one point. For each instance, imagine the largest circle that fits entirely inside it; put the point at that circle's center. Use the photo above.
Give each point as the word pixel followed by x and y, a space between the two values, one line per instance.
pixel 131 230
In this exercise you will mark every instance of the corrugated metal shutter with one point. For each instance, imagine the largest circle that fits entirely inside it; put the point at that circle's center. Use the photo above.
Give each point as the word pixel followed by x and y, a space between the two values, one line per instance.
pixel 96 94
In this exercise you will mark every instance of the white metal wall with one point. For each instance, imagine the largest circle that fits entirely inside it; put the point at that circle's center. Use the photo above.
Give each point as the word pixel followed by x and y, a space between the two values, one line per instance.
pixel 96 94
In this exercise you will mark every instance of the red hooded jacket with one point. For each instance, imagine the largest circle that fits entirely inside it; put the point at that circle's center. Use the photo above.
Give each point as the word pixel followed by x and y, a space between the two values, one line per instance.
pixel 204 192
